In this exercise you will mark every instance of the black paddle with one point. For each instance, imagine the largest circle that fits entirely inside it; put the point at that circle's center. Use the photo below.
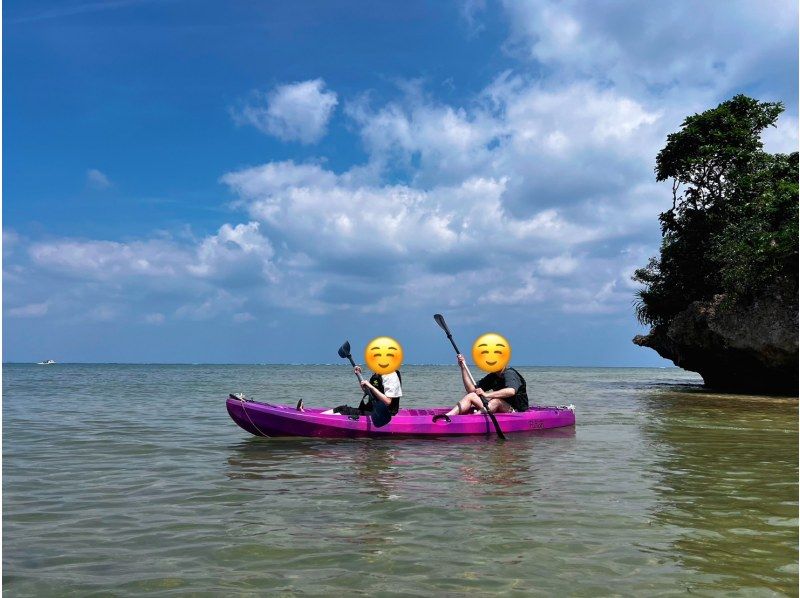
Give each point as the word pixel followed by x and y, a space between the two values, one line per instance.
pixel 443 325
pixel 380 411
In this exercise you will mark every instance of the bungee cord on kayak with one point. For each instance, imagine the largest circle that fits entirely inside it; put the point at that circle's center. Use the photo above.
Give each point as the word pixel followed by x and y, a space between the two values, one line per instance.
pixel 241 398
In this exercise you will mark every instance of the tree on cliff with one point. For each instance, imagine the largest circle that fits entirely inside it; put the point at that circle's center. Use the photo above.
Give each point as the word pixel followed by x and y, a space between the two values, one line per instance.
pixel 732 229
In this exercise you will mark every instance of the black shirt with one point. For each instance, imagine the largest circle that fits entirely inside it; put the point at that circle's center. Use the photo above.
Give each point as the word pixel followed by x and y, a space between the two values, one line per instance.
pixel 508 378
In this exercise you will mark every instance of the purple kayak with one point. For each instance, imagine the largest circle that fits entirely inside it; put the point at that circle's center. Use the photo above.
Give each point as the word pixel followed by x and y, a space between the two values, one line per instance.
pixel 264 419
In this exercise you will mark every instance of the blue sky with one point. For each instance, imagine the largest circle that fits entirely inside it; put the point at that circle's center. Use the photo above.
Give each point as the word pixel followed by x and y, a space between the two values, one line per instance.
pixel 256 182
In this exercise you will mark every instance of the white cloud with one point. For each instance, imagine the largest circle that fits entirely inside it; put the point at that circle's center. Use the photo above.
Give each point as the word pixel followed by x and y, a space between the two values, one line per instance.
pixel 523 293
pixel 656 45
pixel 97 180
pixel 470 10
pixel 31 310
pixel 218 257
pixel 450 142
pixel 103 313
pixel 234 251
pixel 555 144
pixel 591 301
pixel 195 279
pixel 783 137
pixel 325 222
pixel 491 182
pixel 107 260
pixel 211 305
pixel 327 217
pixel 559 265
pixel 292 112
pixel 11 240
pixel 545 175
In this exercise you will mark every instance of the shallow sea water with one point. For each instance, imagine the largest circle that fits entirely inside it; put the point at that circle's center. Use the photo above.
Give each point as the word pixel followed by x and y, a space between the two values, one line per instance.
pixel 132 479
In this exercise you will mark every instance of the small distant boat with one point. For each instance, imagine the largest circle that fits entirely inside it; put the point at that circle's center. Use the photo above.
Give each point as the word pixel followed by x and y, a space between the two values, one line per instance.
pixel 48 362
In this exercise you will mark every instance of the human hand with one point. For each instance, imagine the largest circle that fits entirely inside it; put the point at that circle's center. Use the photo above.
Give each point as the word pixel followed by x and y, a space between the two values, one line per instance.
pixel 479 391
pixel 462 361
pixel 357 370
pixel 365 385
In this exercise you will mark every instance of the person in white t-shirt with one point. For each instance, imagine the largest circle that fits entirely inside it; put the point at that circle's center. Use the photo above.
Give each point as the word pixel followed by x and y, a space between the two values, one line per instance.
pixel 384 387
pixel 384 356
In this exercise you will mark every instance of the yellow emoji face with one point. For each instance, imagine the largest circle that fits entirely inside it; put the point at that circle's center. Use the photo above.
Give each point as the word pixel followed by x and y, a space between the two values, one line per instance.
pixel 491 352
pixel 383 355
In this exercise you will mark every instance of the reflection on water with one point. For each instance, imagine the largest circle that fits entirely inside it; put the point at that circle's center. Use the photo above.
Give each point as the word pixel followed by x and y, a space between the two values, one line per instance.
pixel 379 464
pixel 727 473
pixel 500 471
pixel 660 488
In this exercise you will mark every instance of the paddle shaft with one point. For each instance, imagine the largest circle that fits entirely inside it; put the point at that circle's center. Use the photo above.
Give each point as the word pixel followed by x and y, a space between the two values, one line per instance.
pixel 457 350
pixel 360 379
pixel 440 320
pixel 353 363
pixel 380 411
pixel 452 342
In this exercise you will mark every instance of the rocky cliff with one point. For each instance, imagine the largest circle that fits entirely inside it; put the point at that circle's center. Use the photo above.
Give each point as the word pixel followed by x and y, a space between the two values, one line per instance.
pixel 742 348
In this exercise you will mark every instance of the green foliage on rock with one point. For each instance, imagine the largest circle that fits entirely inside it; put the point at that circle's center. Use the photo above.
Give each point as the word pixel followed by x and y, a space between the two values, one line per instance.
pixel 732 228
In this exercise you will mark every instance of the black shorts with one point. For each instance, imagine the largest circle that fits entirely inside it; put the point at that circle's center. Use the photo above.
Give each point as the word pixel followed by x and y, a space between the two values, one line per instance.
pixel 519 404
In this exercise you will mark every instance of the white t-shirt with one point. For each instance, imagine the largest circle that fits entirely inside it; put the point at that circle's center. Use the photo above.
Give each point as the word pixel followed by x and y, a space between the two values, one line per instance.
pixel 391 385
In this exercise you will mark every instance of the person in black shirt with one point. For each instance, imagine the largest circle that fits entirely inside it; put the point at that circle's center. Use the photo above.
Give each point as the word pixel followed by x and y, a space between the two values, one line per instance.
pixel 505 390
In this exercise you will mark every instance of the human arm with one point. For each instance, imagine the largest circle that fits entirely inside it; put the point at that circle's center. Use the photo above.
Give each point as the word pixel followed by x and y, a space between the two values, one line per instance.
pixel 375 392
pixel 512 383
pixel 465 377
pixel 503 393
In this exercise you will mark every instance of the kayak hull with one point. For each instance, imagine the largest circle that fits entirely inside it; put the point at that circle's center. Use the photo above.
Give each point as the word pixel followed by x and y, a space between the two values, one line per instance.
pixel 264 419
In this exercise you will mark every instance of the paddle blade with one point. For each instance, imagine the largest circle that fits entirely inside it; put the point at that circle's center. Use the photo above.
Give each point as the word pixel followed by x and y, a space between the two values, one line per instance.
pixel 442 324
pixel 344 350
pixel 380 414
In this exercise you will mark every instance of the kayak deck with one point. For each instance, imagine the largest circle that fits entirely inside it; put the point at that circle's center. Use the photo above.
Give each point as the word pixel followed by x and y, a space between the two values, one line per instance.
pixel 265 419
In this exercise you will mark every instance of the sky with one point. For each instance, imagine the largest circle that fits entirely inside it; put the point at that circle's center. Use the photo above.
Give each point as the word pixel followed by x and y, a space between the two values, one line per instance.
pixel 189 181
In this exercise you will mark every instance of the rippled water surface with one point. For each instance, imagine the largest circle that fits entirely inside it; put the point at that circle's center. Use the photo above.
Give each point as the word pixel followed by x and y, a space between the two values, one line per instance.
pixel 133 479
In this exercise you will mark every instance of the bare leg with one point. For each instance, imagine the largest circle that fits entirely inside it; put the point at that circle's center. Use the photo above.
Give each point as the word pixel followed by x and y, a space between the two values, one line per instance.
pixel 464 405
pixel 499 406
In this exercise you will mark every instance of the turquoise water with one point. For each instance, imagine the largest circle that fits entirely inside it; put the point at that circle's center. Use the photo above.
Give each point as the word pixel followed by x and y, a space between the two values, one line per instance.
pixel 129 479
